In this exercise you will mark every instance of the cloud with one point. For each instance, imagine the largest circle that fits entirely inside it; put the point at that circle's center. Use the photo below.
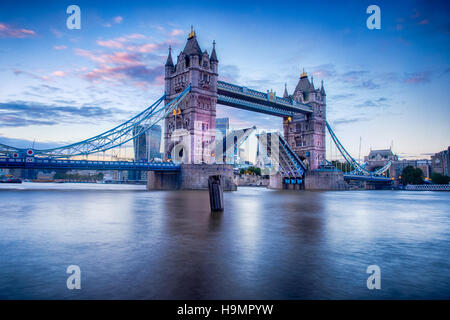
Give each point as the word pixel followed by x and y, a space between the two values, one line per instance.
pixel 110 44
pixel 58 73
pixel 18 72
pixel 7 31
pixel 115 20
pixel 23 143
pixel 229 73
pixel 324 71
pixel 129 64
pixel 175 32
pixel 118 19
pixel 417 77
pixel 26 113
pixel 380 102
pixel 367 84
pixel 344 121
pixel 61 47
pixel 44 88
pixel 344 96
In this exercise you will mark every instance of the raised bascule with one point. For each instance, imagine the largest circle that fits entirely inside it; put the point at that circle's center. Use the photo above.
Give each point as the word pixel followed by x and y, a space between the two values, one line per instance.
pixel 191 153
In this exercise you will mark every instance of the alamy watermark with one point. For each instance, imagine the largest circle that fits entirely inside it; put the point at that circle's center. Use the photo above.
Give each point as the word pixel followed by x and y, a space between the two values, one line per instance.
pixel 74 280
pixel 374 280
pixel 374 20
pixel 74 20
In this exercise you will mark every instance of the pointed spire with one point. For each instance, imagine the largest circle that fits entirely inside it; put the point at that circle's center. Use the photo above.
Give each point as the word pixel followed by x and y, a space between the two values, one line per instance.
pixel 286 94
pixel 169 62
pixel 312 83
pixel 304 74
pixel 213 53
pixel 322 90
pixel 192 33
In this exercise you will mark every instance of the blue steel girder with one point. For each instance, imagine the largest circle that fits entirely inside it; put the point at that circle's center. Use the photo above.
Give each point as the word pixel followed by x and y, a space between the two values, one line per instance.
pixel 288 160
pixel 53 164
pixel 244 98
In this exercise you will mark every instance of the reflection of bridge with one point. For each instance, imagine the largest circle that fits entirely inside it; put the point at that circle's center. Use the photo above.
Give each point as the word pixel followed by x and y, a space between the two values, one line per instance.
pixel 192 90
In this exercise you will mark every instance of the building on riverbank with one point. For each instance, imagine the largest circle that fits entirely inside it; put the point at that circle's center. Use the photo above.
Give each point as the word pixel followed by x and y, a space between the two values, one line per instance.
pixel 440 162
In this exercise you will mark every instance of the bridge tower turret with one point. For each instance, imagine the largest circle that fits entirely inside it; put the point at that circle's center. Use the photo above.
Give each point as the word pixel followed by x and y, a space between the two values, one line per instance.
pixel 306 133
pixel 189 131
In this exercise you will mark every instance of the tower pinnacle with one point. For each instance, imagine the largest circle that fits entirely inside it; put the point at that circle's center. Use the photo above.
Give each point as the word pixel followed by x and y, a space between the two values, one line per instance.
pixel 169 62
pixel 213 53
pixel 192 33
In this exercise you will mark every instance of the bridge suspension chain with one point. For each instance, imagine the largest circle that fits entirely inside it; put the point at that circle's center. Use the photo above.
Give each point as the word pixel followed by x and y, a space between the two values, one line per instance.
pixel 113 138
pixel 358 169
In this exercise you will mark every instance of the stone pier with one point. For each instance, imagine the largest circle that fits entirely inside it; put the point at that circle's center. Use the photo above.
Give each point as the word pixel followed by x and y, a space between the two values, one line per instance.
pixel 195 176
pixel 191 177
pixel 325 180
pixel 163 180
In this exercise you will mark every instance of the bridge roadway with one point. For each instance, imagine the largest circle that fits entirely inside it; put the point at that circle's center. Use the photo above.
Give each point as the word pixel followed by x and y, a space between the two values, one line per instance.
pixel 366 178
pixel 53 164
pixel 244 98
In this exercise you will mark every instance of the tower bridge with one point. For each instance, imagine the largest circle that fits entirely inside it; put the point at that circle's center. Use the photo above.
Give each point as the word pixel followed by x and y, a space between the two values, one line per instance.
pixel 192 92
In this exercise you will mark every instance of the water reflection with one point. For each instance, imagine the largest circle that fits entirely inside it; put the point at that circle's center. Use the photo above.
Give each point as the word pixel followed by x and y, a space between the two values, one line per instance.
pixel 267 244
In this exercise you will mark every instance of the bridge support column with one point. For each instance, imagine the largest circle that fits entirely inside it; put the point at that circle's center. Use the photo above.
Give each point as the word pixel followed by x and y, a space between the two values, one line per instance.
pixel 275 181
pixel 325 180
pixel 163 180
pixel 195 176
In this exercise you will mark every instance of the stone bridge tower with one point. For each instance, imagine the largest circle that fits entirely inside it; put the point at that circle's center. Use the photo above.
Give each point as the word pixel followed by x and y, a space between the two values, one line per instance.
pixel 189 130
pixel 306 133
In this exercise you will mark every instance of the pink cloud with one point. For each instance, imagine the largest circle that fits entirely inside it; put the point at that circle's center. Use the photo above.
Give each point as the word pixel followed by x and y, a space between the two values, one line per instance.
pixel 62 47
pixel 136 36
pixel 118 19
pixel 175 32
pixel 417 77
pixel 110 44
pixel 424 21
pixel 6 31
pixel 58 73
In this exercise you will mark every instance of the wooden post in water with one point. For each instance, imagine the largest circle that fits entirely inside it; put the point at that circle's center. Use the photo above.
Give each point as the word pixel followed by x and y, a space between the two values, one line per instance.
pixel 215 187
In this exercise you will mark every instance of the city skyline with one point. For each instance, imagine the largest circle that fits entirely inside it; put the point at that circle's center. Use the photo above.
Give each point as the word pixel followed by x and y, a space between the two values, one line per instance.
pixel 62 85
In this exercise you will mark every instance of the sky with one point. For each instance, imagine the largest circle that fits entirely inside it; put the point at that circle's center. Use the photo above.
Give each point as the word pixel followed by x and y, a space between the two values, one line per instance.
pixel 385 88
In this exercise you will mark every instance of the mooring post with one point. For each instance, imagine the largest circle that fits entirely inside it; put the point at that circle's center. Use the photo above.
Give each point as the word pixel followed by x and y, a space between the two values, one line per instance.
pixel 215 187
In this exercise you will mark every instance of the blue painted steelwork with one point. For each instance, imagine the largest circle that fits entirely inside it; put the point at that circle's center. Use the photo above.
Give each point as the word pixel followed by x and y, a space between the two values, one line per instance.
pixel 53 164
pixel 113 138
pixel 291 165
pixel 244 98
pixel 294 158
pixel 360 169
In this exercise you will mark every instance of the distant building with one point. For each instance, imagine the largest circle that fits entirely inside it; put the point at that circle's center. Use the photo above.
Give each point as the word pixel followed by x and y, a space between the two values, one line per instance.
pixel 440 162
pixel 154 143
pixel 147 145
pixel 397 167
pixel 379 158
pixel 223 125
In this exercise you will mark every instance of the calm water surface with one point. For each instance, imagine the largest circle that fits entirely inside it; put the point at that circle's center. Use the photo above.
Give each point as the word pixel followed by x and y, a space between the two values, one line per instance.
pixel 134 244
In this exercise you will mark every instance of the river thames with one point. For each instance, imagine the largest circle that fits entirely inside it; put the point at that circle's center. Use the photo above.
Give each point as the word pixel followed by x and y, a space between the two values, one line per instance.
pixel 133 244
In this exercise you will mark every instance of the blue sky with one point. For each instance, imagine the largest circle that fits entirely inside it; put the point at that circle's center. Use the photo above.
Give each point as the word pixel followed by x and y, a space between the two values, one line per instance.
pixel 385 86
